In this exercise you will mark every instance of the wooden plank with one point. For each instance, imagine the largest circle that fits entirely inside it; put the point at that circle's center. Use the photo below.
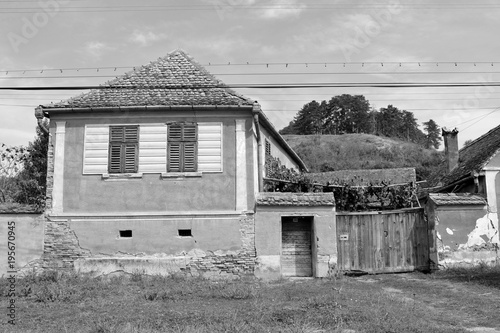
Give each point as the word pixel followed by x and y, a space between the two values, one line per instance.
pixel 381 243
pixel 296 254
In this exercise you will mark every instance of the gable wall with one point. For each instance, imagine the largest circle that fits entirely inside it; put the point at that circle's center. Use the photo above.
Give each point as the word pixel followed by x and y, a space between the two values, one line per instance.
pixel 278 151
pixel 90 193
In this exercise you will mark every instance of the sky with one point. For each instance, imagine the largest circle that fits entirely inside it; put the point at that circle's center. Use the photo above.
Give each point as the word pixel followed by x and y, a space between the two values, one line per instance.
pixel 387 42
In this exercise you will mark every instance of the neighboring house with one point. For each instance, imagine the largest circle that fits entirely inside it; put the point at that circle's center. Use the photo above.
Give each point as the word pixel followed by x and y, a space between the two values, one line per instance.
pixel 474 171
pixel 164 163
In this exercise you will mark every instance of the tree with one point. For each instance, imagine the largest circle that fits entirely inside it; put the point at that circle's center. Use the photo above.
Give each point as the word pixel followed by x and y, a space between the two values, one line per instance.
pixel 308 119
pixel 433 136
pixel 401 124
pixel 342 114
pixel 31 182
pixel 347 114
pixel 11 163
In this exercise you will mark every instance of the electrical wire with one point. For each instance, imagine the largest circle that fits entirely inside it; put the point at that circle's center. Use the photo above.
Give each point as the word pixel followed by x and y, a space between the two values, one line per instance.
pixel 274 86
pixel 274 64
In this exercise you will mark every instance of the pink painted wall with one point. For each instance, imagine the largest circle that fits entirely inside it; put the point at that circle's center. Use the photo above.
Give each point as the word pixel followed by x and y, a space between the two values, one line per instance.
pixel 211 192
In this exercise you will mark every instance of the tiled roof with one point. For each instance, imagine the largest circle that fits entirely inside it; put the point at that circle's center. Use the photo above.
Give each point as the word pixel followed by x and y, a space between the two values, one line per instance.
pixel 475 156
pixel 173 80
pixel 295 199
pixel 454 199
pixel 366 177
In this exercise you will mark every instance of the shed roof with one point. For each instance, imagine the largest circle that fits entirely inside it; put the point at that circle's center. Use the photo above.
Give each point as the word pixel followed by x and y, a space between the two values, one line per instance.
pixel 474 156
pixel 173 80
pixel 295 199
pixel 456 199
pixel 366 177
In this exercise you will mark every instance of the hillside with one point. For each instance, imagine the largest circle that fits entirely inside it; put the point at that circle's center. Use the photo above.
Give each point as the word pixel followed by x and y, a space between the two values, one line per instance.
pixel 365 151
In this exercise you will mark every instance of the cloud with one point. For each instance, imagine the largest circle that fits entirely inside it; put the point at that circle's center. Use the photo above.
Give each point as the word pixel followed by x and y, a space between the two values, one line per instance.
pixel 146 37
pixel 96 49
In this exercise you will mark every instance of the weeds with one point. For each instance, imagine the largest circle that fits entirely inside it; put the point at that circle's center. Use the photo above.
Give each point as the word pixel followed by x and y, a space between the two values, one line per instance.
pixel 481 273
pixel 151 304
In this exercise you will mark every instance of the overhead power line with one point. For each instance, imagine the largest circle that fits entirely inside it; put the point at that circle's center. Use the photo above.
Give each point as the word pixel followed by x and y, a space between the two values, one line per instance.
pixel 254 74
pixel 257 6
pixel 276 86
pixel 274 64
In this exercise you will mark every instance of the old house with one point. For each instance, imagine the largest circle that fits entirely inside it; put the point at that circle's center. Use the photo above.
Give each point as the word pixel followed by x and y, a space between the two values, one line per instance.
pixel 465 209
pixel 160 169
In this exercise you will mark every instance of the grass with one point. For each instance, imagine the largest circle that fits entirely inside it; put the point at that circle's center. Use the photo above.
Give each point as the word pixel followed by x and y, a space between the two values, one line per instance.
pixel 365 151
pixel 56 302
pixel 481 274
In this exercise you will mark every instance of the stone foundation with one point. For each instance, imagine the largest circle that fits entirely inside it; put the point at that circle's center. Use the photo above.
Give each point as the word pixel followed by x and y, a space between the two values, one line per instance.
pixel 60 246
pixel 62 251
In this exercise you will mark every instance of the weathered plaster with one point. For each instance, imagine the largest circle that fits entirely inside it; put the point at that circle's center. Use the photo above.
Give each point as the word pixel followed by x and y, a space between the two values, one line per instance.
pixel 268 267
pixel 484 233
pixel 465 234
pixel 268 223
pixel 28 229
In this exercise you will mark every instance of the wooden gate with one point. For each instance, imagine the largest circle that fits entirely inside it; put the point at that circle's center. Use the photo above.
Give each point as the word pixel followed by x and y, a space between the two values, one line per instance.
pixel 296 254
pixel 383 242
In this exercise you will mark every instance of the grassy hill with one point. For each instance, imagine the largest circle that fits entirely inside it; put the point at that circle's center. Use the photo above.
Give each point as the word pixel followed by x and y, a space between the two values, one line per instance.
pixel 364 151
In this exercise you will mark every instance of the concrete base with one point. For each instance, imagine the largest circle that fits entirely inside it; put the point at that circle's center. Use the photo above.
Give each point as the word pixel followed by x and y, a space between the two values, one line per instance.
pixel 268 267
pixel 143 265
pixel 467 257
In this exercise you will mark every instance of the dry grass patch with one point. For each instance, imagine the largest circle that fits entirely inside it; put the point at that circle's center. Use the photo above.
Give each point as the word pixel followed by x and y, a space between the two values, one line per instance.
pixel 55 302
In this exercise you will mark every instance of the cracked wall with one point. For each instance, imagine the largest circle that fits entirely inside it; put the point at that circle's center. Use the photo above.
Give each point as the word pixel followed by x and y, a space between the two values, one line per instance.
pixel 465 234
pixel 155 247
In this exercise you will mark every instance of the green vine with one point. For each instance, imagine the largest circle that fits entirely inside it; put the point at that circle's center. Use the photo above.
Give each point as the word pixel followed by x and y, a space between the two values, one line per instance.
pixel 348 197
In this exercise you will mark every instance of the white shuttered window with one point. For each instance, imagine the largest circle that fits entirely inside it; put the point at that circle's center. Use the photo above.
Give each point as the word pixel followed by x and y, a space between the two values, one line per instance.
pixel 153 147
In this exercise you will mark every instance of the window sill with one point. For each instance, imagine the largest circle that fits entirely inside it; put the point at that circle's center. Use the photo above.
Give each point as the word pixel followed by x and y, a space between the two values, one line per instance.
pixel 121 176
pixel 177 175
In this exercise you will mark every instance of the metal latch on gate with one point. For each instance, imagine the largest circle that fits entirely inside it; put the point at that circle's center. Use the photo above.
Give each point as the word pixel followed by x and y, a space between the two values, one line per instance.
pixel 344 237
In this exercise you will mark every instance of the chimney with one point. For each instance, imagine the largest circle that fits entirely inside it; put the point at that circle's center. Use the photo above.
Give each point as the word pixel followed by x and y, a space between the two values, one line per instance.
pixel 450 147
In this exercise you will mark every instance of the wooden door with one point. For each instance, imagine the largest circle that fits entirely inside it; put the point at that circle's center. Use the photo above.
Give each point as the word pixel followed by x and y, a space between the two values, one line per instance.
pixel 296 254
pixel 385 242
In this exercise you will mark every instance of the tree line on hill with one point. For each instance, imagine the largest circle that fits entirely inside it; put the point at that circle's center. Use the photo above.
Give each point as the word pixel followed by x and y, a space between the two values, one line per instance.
pixel 346 113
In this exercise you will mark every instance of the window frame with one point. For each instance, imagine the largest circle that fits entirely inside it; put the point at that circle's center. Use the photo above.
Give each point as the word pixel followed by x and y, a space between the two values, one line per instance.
pixel 185 140
pixel 124 143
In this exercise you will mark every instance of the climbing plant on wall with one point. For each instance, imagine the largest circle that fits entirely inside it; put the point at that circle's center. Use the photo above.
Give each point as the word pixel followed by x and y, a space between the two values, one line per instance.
pixel 348 197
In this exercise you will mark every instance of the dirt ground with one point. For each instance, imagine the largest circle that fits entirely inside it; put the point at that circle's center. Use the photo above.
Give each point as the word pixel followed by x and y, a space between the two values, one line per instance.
pixel 464 304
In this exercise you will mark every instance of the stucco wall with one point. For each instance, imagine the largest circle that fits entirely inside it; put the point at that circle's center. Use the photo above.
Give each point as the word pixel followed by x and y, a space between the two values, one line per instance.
pixel 268 239
pixel 464 234
pixel 278 152
pixel 28 229
pixel 153 236
pixel 211 192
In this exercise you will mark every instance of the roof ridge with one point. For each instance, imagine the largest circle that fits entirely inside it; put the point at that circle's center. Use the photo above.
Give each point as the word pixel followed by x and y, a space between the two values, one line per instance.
pixel 480 138
pixel 173 79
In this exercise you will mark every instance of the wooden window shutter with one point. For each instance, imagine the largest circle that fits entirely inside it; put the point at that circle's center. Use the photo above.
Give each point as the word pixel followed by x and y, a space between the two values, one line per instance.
pixel 115 153
pixel 182 147
pixel 174 157
pixel 123 149
pixel 190 156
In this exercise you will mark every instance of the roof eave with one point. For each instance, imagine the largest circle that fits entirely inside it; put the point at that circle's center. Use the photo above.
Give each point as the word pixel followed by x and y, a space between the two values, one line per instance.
pixel 155 108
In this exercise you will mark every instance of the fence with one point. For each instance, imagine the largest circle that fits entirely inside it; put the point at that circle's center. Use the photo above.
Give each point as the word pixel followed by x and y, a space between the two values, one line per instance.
pixel 383 242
